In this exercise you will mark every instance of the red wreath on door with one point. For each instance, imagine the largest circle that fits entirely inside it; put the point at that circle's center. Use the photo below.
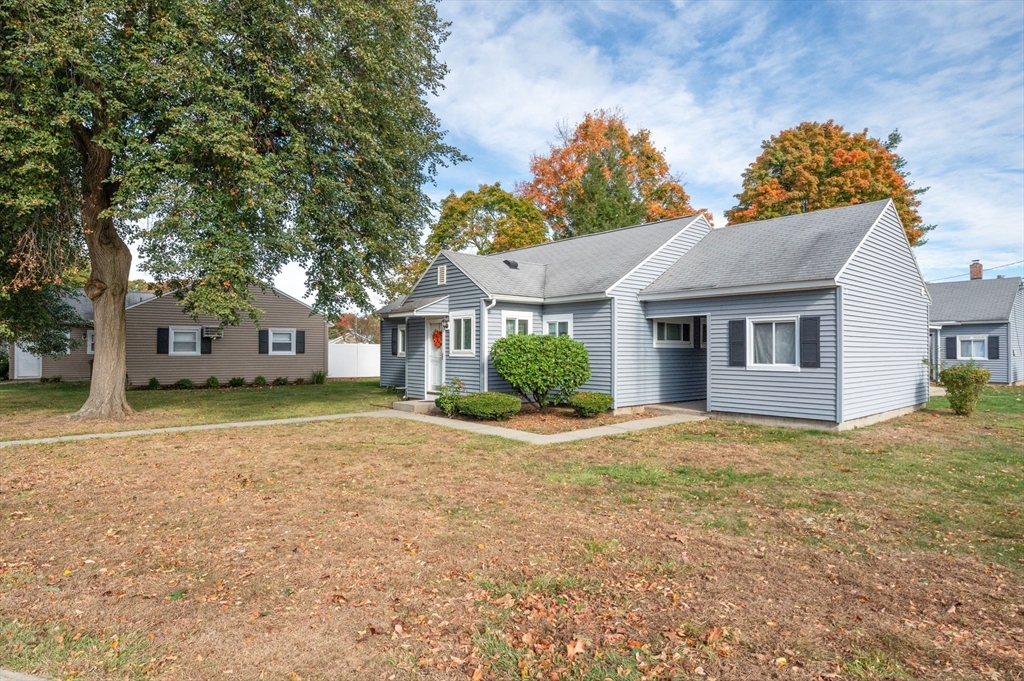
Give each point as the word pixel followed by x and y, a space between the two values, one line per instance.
pixel 438 338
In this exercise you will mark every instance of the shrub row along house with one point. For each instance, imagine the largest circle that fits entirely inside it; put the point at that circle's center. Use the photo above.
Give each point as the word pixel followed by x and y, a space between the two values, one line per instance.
pixel 979 321
pixel 819 319
pixel 165 343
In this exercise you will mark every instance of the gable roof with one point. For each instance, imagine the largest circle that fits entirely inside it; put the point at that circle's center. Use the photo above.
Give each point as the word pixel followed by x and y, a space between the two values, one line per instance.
pixel 804 248
pixel 82 306
pixel 583 265
pixel 975 300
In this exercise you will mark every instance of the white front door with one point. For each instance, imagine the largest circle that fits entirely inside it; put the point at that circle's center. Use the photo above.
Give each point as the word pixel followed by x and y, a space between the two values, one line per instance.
pixel 435 357
pixel 27 365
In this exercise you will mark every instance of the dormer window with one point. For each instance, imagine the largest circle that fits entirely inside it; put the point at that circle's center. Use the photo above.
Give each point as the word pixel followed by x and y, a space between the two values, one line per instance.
pixel 442 275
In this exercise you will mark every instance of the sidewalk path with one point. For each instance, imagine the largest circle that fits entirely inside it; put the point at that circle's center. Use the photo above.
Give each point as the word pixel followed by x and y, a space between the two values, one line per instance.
pixel 15 676
pixel 471 426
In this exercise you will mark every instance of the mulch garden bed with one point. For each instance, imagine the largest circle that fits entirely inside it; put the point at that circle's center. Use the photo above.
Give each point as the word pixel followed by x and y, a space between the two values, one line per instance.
pixel 558 420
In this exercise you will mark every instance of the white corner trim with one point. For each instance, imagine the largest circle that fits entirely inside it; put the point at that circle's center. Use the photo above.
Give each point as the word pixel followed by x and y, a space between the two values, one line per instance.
pixel 694 219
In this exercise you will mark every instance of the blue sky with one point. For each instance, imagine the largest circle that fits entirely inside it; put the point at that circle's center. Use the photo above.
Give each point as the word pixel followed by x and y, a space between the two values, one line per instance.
pixel 712 80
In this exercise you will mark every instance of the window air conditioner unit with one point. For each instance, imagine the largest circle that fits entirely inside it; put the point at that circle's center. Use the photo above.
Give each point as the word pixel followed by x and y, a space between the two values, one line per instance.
pixel 213 332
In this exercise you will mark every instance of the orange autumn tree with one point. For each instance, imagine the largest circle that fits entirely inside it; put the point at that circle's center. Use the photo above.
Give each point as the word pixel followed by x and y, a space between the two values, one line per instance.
pixel 630 171
pixel 820 165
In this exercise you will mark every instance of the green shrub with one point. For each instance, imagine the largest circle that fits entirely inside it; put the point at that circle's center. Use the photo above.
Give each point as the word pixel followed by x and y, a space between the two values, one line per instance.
pixel 50 379
pixel 589 405
pixel 448 396
pixel 212 382
pixel 236 381
pixel 489 406
pixel 319 377
pixel 281 380
pixel 259 382
pixel 184 384
pixel 154 384
pixel 542 369
pixel 964 384
pixel 299 381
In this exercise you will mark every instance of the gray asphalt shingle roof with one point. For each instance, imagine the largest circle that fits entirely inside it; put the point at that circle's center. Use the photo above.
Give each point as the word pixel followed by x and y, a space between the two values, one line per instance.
pixel 976 300
pixel 406 305
pixel 82 306
pixel 796 248
pixel 577 266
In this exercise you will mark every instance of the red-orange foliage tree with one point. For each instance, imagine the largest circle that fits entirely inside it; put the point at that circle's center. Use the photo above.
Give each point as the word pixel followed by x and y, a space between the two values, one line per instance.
pixel 820 165
pixel 558 176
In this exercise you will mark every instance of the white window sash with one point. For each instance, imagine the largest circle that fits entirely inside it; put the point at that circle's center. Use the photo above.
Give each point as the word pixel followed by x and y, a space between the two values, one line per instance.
pixel 174 330
pixel 90 342
pixel 558 319
pixel 401 341
pixel 507 316
pixel 270 341
pixel 684 323
pixel 774 365
pixel 457 331
pixel 960 340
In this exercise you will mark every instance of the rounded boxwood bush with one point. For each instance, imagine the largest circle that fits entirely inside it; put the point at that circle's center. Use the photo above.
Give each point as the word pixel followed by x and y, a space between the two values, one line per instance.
pixel 589 405
pixel 489 406
pixel 542 369
pixel 212 382
pixel 259 382
pixel 154 384
pixel 964 384
pixel 184 384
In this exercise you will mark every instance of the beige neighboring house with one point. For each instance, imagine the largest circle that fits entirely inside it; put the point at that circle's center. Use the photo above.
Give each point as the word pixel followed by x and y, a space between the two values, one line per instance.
pixel 165 343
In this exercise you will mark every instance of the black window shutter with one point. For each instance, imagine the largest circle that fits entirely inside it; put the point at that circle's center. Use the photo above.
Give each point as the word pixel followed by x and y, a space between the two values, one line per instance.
pixel 993 347
pixel 394 342
pixel 950 347
pixel 300 342
pixel 163 340
pixel 738 343
pixel 264 342
pixel 696 333
pixel 206 346
pixel 810 342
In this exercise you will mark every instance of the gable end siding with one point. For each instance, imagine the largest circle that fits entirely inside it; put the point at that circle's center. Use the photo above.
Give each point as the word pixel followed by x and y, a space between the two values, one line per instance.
pixel 462 294
pixel 645 374
pixel 884 325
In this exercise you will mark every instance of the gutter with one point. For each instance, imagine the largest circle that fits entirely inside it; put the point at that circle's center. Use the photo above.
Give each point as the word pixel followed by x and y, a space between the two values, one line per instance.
pixel 713 292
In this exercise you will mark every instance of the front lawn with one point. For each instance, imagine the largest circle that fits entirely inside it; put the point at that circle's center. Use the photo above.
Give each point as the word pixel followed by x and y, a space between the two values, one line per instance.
pixel 394 549
pixel 39 410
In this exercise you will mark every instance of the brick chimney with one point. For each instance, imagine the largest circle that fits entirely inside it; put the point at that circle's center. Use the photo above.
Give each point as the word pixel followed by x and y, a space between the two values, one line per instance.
pixel 976 270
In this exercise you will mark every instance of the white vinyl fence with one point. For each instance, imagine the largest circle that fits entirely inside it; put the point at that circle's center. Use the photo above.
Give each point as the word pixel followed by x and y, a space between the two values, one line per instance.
pixel 353 360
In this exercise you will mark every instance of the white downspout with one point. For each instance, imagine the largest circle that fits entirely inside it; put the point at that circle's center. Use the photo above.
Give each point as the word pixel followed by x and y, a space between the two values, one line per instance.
pixel 484 349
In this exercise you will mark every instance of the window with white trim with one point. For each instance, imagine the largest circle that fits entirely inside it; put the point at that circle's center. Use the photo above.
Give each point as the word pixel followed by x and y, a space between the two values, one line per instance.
pixel 516 323
pixel 704 333
pixel 282 341
pixel 773 343
pixel 401 341
pixel 90 342
pixel 673 333
pixel 558 325
pixel 184 340
pixel 461 333
pixel 972 347
pixel 442 275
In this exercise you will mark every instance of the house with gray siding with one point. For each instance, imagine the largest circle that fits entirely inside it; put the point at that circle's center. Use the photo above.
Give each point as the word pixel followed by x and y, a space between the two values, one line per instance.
pixel 818 319
pixel 164 343
pixel 980 321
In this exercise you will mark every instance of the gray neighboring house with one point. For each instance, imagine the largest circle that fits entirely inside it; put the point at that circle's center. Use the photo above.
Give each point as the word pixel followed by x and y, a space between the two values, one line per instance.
pixel 980 321
pixel 818 319
pixel 165 343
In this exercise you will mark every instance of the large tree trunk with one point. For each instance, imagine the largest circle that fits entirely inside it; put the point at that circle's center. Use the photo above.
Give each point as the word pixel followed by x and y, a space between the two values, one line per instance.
pixel 108 283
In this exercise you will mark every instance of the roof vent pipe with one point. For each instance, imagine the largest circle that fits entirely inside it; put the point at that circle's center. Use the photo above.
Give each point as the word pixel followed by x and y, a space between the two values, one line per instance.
pixel 512 264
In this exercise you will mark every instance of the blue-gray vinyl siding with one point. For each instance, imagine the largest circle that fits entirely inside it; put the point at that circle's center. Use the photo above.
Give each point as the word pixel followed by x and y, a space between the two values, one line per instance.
pixel 803 394
pixel 462 294
pixel 885 324
pixel 392 367
pixel 415 356
pixel 495 330
pixel 645 374
pixel 1016 332
pixel 998 367
pixel 592 326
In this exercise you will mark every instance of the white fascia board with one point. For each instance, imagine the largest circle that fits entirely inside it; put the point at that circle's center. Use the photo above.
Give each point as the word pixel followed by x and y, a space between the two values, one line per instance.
pixel 656 251
pixel 519 299
pixel 583 297
pixel 740 290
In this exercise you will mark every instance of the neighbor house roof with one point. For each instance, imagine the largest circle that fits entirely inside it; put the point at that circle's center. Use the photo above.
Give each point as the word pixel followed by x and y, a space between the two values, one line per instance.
pixel 976 300
pixel 578 266
pixel 810 247
pixel 405 306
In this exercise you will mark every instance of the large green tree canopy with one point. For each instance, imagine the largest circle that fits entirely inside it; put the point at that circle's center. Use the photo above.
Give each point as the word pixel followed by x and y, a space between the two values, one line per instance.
pixel 253 133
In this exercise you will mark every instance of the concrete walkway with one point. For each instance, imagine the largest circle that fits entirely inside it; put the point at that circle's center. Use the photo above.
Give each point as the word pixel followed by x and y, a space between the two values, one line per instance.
pixel 15 676
pixel 477 427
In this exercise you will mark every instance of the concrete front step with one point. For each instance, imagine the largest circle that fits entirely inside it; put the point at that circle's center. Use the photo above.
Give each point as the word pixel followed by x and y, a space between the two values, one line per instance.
pixel 416 406
pixel 694 407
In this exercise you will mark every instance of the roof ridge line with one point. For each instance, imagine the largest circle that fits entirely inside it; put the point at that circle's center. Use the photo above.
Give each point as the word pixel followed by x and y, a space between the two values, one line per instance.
pixel 584 236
